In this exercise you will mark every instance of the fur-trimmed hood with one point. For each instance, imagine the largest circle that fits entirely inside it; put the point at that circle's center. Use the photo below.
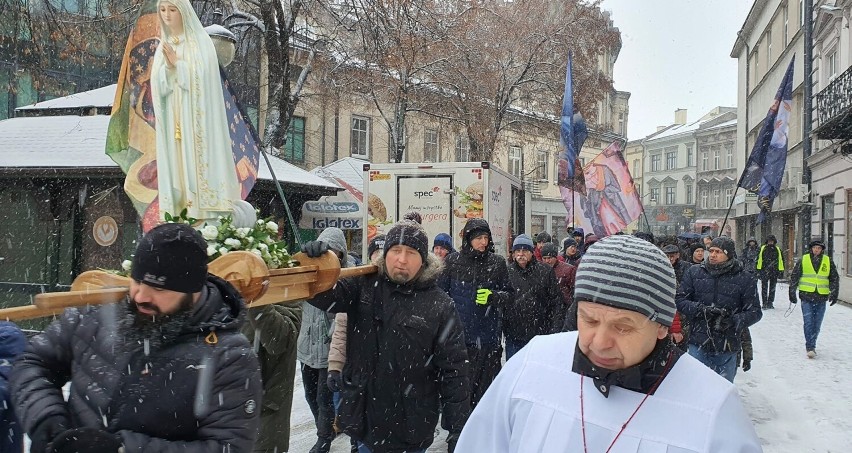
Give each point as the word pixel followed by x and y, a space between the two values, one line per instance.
pixel 427 276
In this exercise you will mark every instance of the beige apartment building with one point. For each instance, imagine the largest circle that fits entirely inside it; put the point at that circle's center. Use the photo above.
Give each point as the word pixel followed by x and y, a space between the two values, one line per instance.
pixel 769 38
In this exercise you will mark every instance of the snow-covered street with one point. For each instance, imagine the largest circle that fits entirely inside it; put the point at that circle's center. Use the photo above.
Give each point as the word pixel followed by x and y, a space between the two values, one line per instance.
pixel 798 404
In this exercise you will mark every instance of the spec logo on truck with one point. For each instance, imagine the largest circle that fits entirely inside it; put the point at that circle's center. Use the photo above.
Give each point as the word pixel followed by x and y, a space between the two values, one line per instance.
pixel 427 193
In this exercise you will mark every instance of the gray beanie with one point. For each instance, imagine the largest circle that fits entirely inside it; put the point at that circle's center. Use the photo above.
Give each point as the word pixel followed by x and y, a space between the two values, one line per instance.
pixel 627 272
pixel 335 239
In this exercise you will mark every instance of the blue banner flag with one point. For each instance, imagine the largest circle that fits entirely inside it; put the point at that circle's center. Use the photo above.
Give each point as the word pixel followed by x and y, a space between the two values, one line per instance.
pixel 572 134
pixel 765 167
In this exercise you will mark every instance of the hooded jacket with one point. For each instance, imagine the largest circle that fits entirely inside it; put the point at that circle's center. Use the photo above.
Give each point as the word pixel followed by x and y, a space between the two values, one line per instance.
pixel 749 255
pixel 317 325
pixel 467 271
pixel 734 290
pixel 275 329
pixel 406 359
pixel 537 307
pixel 200 392
pixel 12 343
pixel 768 263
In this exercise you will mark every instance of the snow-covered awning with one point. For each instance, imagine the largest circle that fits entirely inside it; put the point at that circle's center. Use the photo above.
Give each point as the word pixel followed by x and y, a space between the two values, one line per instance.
pixel 77 142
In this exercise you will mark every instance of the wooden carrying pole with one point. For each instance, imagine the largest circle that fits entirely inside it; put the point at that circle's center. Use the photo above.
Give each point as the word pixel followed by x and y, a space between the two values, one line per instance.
pixel 244 270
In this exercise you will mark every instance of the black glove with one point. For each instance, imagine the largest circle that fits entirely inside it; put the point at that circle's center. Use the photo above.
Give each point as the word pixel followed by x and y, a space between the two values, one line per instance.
pixel 315 249
pixel 45 431
pixel 85 440
pixel 793 299
pixel 723 323
pixel 334 380
pixel 452 440
pixel 746 365
pixel 832 302
pixel 712 312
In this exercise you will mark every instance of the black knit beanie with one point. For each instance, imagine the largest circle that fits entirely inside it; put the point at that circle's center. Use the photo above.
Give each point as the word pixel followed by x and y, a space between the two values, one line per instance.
pixel 171 256
pixel 407 232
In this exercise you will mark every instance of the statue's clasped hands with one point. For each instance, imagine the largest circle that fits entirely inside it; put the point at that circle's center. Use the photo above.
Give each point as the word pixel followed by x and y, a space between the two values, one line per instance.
pixel 171 55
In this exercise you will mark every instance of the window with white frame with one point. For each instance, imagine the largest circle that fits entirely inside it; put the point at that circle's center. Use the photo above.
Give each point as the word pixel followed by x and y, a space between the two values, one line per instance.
pixel 556 167
pixel 431 150
pixel 786 27
pixel 716 200
pixel 462 148
pixel 359 137
pixel 541 165
pixel 717 158
pixel 831 65
pixel 729 155
pixel 635 167
pixel 729 194
pixel 690 160
pixel 768 38
pixel 655 195
pixel 515 160
pixel 655 162
pixel 621 124
pixel 688 192
pixel 704 199
pixel 671 160
pixel 670 195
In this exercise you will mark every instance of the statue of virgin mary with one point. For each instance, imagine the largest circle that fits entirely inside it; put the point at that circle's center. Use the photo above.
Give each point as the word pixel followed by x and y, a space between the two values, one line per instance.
pixel 195 164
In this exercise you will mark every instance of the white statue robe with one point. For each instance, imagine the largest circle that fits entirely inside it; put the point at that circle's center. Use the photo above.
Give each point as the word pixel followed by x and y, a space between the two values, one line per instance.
pixel 195 165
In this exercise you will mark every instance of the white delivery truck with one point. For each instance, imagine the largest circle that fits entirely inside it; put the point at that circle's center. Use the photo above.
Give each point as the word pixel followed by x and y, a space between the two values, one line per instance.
pixel 446 195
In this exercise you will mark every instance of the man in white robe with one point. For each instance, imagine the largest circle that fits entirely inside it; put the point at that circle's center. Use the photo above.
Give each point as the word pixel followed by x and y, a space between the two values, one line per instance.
pixel 618 384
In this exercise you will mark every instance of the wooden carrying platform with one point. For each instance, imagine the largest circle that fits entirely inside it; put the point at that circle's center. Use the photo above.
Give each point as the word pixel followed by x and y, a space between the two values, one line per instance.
pixel 258 284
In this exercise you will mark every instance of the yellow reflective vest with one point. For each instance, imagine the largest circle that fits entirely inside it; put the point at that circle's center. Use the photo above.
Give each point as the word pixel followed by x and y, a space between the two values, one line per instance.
pixel 760 258
pixel 815 281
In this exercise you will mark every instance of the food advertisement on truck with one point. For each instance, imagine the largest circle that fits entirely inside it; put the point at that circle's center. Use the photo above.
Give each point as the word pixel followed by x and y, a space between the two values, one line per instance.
pixel 428 195
pixel 446 195
pixel 499 200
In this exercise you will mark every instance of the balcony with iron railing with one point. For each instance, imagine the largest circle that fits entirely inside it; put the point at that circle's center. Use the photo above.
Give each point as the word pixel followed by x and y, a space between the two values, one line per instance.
pixel 834 109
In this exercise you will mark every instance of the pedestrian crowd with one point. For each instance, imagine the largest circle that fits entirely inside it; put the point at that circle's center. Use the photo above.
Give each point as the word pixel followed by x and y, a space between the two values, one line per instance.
pixel 589 345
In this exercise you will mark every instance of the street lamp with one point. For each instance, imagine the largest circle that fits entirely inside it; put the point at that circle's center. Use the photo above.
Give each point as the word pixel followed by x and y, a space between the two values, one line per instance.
pixel 224 42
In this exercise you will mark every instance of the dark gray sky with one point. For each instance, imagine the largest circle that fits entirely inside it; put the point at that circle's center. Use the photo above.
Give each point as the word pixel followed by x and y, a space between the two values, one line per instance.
pixel 675 54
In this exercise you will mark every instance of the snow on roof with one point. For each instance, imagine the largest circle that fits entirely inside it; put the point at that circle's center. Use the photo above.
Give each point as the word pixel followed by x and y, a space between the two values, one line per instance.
pixel 54 142
pixel 100 97
pixel 79 142
pixel 348 170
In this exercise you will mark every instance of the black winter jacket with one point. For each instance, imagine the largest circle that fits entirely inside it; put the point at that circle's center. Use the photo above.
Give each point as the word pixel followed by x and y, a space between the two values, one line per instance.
pixel 537 307
pixel 199 393
pixel 735 291
pixel 405 359
pixel 464 273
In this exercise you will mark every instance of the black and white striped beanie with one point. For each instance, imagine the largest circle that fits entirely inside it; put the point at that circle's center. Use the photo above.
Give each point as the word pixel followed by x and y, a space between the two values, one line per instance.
pixel 627 272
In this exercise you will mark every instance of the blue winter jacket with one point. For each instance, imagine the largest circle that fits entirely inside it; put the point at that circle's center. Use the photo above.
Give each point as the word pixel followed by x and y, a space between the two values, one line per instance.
pixel 735 291
pixel 12 343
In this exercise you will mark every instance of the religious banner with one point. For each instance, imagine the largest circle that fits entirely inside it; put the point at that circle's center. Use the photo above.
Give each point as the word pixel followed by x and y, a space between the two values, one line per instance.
pixel 610 201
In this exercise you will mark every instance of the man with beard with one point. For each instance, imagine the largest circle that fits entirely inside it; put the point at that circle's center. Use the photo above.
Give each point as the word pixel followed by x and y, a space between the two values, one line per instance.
pixel 535 308
pixel 405 354
pixel 618 384
pixel 165 370
pixel 478 282
pixel 719 300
